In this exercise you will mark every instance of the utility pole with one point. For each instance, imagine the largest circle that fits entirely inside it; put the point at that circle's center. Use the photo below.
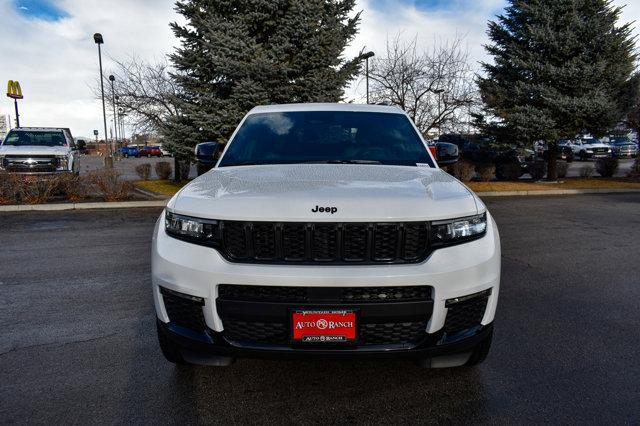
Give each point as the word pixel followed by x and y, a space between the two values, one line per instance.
pixel 366 57
pixel 97 38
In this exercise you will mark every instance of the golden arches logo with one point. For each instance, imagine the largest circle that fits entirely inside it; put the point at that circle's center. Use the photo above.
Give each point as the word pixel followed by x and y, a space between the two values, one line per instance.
pixel 13 90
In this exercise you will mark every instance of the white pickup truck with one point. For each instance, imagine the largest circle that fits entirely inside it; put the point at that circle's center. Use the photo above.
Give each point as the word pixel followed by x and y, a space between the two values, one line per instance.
pixel 585 149
pixel 39 150
pixel 326 231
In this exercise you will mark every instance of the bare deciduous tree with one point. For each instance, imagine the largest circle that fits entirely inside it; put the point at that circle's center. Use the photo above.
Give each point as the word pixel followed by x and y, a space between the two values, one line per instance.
pixel 145 93
pixel 435 87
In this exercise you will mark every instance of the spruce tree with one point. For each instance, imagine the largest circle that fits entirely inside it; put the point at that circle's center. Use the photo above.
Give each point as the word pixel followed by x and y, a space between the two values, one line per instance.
pixel 236 54
pixel 560 67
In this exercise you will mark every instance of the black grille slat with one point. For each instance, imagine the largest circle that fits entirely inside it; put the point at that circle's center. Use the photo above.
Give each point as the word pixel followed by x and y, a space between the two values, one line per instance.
pixel 262 293
pixel 324 243
pixel 385 242
pixel 271 333
pixel 400 333
pixel 354 243
pixel 235 240
pixel 386 294
pixel 339 294
pixel 466 314
pixel 264 241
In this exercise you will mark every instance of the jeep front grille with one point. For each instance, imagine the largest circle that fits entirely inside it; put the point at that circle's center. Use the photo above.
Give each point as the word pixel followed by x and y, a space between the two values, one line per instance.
pixel 331 243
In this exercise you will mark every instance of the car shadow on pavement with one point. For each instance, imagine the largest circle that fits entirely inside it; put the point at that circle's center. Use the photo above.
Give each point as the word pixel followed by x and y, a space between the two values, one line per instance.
pixel 329 392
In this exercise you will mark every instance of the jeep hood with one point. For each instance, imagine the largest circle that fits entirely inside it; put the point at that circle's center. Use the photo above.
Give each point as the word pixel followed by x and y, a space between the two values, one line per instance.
pixel 33 150
pixel 360 193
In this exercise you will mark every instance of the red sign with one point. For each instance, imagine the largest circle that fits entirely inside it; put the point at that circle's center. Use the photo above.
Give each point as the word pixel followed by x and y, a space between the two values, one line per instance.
pixel 330 326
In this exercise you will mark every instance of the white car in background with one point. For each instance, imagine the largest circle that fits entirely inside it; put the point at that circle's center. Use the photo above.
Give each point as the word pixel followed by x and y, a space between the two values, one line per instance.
pixel 39 151
pixel 326 231
pixel 586 149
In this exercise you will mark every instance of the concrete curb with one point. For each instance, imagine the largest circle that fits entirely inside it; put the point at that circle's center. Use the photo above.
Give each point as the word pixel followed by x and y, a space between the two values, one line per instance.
pixel 83 206
pixel 539 192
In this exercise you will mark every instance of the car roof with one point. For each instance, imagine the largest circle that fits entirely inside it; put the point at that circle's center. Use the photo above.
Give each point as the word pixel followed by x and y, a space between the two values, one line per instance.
pixel 326 107
pixel 40 129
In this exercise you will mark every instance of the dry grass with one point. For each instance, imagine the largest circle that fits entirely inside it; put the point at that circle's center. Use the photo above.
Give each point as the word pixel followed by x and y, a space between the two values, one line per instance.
pixel 163 187
pixel 569 183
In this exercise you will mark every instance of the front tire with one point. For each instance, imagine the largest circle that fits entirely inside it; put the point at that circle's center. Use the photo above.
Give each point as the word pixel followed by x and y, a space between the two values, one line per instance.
pixel 169 349
pixel 481 351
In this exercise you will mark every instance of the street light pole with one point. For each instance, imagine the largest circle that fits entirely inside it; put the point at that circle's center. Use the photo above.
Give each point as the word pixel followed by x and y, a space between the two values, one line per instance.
pixel 97 38
pixel 366 57
pixel 115 116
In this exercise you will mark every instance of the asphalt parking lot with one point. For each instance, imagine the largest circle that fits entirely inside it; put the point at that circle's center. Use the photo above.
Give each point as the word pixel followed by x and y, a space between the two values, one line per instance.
pixel 78 345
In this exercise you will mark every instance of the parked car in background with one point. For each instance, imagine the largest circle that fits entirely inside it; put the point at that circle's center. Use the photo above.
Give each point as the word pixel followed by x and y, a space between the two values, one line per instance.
pixel 149 151
pixel 564 151
pixel 129 151
pixel 39 150
pixel 165 153
pixel 624 148
pixel 586 149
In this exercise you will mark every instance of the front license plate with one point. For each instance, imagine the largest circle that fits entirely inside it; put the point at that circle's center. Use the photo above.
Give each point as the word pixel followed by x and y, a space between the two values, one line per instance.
pixel 323 326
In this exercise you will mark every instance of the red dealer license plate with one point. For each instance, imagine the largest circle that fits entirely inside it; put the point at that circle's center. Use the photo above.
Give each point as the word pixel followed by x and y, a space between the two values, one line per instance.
pixel 324 326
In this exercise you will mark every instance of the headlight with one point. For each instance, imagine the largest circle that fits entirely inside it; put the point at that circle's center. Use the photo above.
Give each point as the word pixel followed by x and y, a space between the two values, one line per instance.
pixel 458 230
pixel 202 231
pixel 63 162
pixel 589 150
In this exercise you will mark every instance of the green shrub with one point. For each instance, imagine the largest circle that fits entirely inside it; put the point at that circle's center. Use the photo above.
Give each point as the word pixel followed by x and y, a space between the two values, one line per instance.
pixel 537 169
pixel 36 190
pixel 464 171
pixel 586 171
pixel 144 170
pixel 486 172
pixel 635 169
pixel 9 188
pixel 74 187
pixel 607 167
pixel 110 185
pixel 562 168
pixel 508 171
pixel 163 170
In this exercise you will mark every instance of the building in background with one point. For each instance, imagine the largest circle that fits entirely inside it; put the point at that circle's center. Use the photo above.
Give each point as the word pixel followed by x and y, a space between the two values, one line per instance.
pixel 4 126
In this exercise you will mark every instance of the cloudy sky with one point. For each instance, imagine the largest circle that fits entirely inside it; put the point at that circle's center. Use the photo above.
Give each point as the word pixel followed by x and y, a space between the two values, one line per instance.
pixel 47 44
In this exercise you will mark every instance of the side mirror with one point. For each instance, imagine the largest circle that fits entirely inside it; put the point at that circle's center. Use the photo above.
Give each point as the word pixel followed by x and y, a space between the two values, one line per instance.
pixel 206 156
pixel 447 153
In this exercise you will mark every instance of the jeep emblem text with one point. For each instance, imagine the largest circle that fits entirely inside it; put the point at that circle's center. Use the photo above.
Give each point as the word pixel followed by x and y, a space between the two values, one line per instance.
pixel 319 209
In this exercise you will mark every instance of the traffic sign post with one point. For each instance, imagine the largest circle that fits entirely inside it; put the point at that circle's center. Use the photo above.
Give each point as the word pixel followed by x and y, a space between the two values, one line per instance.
pixel 14 91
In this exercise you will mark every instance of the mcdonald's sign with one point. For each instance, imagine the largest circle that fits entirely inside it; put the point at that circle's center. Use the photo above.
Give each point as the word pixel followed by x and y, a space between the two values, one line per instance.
pixel 13 90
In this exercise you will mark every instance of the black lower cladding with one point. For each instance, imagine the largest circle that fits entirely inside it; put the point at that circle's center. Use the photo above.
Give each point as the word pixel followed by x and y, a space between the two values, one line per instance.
pixel 465 313
pixel 184 310
pixel 258 317
pixel 254 316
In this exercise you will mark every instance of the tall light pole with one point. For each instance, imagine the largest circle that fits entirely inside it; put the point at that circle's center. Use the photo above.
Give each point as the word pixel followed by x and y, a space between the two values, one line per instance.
pixel 366 57
pixel 115 117
pixel 122 115
pixel 97 38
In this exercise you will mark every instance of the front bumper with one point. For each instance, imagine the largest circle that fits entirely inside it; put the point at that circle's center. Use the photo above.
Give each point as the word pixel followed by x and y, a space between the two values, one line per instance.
pixel 449 273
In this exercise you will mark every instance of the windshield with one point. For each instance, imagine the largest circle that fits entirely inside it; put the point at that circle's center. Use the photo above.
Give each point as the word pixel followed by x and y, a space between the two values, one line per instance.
pixel 326 136
pixel 28 138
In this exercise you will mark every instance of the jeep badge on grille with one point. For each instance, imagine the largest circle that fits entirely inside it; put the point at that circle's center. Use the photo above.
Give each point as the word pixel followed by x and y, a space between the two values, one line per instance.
pixel 318 209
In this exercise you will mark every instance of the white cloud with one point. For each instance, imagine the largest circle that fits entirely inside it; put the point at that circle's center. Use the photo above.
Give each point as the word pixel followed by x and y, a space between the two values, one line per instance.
pixel 56 62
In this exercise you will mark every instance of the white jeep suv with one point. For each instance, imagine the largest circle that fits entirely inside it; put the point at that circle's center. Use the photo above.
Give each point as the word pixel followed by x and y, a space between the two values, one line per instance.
pixel 328 231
